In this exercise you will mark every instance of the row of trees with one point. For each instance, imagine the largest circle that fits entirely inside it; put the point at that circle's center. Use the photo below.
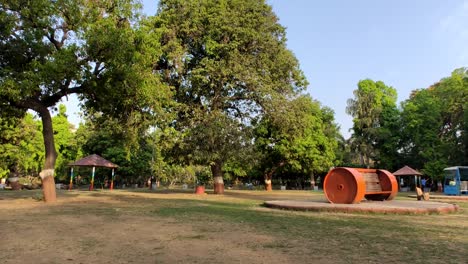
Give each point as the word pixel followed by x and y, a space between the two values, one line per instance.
pixel 271 150
pixel 201 83
pixel 428 131
pixel 208 78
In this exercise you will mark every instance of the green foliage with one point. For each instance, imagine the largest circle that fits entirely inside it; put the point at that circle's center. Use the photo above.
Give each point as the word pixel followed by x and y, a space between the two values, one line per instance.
pixel 202 175
pixel 106 137
pixel 65 142
pixel 96 49
pixel 226 60
pixel 21 145
pixel 435 122
pixel 375 118
pixel 216 84
pixel 298 137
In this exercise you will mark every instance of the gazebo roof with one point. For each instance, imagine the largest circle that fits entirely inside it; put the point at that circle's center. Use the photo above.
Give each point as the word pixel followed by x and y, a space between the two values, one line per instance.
pixel 406 171
pixel 93 161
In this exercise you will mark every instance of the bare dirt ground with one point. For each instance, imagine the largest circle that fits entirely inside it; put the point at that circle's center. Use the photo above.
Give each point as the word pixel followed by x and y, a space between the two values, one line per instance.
pixel 177 227
pixel 83 228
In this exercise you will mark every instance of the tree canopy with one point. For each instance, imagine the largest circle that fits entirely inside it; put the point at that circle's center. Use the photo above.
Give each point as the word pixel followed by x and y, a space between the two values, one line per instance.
pixel 51 49
pixel 299 137
pixel 201 84
pixel 372 108
pixel 435 124
pixel 226 61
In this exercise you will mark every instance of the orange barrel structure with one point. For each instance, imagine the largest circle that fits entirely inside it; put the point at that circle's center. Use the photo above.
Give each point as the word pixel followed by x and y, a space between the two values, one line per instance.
pixel 352 185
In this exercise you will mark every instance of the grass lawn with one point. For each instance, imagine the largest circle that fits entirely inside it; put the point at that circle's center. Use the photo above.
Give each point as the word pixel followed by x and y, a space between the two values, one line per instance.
pixel 137 226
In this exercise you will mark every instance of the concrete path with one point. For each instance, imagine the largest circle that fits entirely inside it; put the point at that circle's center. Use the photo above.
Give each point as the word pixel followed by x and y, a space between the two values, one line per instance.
pixel 390 207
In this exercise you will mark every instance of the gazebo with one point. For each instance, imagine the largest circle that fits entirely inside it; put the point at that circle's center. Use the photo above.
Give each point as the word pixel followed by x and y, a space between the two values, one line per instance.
pixel 92 161
pixel 409 172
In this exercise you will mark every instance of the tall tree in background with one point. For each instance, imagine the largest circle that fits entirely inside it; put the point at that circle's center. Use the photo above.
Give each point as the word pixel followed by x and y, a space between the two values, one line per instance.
pixel 294 138
pixel 373 102
pixel 388 139
pixel 51 49
pixel 106 137
pixel 65 142
pixel 21 146
pixel 435 125
pixel 226 60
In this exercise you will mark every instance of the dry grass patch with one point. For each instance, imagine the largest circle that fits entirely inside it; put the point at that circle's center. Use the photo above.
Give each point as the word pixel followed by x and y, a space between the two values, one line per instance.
pixel 179 227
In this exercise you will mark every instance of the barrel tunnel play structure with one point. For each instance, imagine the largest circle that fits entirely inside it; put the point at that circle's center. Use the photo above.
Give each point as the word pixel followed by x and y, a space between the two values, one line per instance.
pixel 352 185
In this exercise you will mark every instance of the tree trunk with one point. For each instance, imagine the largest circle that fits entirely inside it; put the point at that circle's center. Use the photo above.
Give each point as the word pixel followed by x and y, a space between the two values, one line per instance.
pixel 312 181
pixel 47 173
pixel 268 185
pixel 269 175
pixel 216 170
pixel 361 158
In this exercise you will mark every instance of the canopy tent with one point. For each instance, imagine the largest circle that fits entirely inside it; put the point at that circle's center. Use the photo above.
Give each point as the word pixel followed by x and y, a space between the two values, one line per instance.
pixel 92 161
pixel 409 172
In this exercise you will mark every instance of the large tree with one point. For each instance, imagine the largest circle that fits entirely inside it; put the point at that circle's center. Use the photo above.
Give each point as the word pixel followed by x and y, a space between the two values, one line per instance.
pixel 435 124
pixel 298 137
pixel 226 60
pixel 107 138
pixel 65 142
pixel 52 49
pixel 21 146
pixel 371 108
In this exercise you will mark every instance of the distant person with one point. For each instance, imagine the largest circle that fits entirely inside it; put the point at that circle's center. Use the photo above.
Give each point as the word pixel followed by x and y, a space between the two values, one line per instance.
pixel 423 183
pixel 430 185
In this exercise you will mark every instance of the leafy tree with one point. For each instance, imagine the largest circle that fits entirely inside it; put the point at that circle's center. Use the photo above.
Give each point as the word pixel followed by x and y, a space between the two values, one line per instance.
pixel 65 142
pixel 20 146
pixel 107 138
pixel 298 137
pixel 51 49
pixel 332 132
pixel 226 61
pixel 371 108
pixel 434 125
pixel 388 140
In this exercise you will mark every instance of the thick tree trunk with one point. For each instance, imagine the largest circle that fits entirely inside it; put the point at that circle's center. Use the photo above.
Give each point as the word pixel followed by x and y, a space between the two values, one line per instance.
pixel 269 175
pixel 216 170
pixel 268 185
pixel 47 173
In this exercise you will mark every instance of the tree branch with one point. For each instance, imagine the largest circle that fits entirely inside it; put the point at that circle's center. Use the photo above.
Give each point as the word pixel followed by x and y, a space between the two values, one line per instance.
pixel 53 99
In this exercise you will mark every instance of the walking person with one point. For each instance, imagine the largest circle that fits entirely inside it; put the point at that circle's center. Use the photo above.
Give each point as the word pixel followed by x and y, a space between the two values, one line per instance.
pixel 423 184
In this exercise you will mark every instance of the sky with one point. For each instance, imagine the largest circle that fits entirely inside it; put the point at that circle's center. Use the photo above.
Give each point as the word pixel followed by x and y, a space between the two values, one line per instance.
pixel 406 44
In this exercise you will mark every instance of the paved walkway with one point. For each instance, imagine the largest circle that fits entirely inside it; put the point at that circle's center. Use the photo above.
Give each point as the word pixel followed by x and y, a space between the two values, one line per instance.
pixel 444 197
pixel 392 207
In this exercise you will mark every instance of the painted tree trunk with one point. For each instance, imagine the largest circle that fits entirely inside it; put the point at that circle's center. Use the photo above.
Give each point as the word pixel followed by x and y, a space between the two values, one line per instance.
pixel 312 181
pixel 216 170
pixel 269 175
pixel 47 173
pixel 268 186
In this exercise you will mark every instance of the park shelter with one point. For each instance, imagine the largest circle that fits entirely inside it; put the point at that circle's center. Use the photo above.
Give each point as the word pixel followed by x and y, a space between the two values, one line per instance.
pixel 409 176
pixel 92 161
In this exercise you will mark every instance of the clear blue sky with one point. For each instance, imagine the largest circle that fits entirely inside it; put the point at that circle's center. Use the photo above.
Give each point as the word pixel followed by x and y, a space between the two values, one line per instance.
pixel 408 44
